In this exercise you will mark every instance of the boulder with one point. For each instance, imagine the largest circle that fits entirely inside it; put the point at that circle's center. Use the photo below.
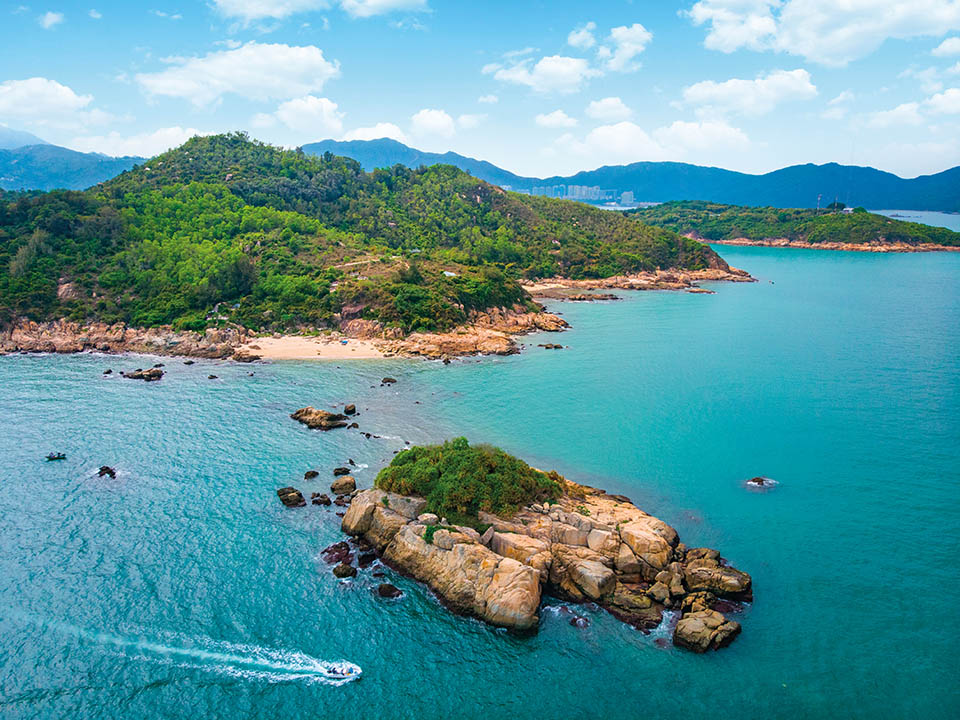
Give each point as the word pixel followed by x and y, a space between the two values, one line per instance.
pixel 320 499
pixel 721 580
pixel 386 590
pixel 388 381
pixel 593 578
pixel 366 559
pixel 704 630
pixel 349 409
pixel 310 474
pixel 428 519
pixel 291 497
pixel 470 578
pixel 337 472
pixel 343 485
pixel 344 571
pixel 651 541
pixel 337 553
pixel 319 419
pixel 149 375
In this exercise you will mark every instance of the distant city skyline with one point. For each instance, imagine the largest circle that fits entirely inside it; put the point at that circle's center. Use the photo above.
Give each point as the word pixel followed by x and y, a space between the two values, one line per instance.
pixel 538 88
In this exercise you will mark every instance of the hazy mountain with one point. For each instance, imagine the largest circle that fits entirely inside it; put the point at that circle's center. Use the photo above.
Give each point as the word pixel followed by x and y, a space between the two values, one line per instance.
pixel 45 167
pixel 795 186
pixel 10 138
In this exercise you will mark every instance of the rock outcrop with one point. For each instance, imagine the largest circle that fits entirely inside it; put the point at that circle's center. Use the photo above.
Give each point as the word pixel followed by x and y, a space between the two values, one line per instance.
pixel 319 419
pixel 589 546
pixel 65 336
pixel 149 375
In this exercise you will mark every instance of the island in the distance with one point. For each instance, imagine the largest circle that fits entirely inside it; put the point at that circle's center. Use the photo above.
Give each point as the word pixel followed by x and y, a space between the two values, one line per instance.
pixel 223 240
pixel 834 228
pixel 491 536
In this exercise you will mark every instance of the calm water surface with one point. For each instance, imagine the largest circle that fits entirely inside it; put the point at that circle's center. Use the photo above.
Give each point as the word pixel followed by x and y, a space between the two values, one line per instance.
pixel 184 589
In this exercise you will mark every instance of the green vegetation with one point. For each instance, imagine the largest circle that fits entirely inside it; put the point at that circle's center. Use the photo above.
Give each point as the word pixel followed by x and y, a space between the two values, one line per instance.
pixel 458 480
pixel 712 221
pixel 228 230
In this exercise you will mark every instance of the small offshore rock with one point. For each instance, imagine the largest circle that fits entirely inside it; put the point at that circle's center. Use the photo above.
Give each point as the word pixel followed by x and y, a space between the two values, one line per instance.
pixel 319 419
pixel 211 377
pixel 343 485
pixel 386 590
pixel 339 552
pixel 188 362
pixel 350 410
pixel 388 381
pixel 366 559
pixel 580 622
pixel 310 474
pixel 158 365
pixel 106 471
pixel 291 497
pixel 344 571
pixel 342 501
pixel 146 375
pixel 108 371
pixel 337 472
pixel 320 499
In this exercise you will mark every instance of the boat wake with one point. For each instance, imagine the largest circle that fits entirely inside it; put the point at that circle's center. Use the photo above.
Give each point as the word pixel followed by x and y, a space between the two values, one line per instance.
pixel 249 662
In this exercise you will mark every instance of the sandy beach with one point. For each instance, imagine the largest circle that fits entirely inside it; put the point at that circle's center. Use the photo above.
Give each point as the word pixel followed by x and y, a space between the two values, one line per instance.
pixel 300 347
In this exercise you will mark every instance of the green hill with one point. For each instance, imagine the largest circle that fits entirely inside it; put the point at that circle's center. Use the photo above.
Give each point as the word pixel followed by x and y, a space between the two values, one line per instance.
pixel 225 229
pixel 715 222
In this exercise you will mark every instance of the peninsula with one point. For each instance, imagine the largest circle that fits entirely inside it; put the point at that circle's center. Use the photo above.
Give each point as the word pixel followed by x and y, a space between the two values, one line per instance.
pixel 207 247
pixel 492 536
pixel 835 228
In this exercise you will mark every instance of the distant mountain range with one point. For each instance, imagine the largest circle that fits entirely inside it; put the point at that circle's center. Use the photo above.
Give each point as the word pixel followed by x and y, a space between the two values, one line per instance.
pixel 796 186
pixel 29 163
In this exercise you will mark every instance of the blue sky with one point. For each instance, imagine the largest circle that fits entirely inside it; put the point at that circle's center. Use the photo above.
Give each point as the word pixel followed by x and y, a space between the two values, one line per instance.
pixel 536 87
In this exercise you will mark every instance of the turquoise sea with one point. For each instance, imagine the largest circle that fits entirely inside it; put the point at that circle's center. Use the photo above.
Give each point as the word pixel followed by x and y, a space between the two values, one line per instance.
pixel 184 589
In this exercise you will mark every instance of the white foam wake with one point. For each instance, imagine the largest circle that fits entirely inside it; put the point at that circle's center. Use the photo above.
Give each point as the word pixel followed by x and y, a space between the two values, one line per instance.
pixel 250 662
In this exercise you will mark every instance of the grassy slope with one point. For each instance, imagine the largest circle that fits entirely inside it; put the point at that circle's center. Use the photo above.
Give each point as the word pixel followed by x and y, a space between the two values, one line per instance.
pixel 226 229
pixel 712 221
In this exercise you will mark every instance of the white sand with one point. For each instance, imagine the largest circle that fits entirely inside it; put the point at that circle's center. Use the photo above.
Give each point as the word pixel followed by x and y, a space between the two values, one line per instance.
pixel 299 347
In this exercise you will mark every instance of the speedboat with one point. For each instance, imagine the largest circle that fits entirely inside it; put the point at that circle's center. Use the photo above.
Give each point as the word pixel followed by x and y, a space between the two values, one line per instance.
pixel 56 456
pixel 342 670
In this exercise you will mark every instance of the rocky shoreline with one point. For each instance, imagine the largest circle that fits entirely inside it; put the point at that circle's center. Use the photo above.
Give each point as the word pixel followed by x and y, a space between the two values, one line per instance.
pixel 686 280
pixel 874 247
pixel 588 546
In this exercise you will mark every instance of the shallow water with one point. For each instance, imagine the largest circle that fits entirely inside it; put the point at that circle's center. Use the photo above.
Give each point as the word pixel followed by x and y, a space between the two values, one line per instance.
pixel 926 217
pixel 184 588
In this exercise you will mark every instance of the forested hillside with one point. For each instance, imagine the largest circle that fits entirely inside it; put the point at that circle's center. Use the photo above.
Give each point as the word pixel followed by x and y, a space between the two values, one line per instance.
pixel 225 229
pixel 712 221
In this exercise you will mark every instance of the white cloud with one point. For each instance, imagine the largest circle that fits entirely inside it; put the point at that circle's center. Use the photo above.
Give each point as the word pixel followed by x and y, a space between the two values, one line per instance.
pixel 256 71
pixel 375 132
pixel 950 46
pixel 627 142
pixel 49 19
pixel 582 37
pixel 488 99
pixel 609 109
pixel 750 97
pixel 47 103
pixel 627 43
pixel 823 31
pixel 470 121
pixel 837 107
pixel 681 137
pixel 945 103
pixel 250 10
pixel 167 16
pixel 554 73
pixel 433 123
pixel 368 8
pixel 307 114
pixel 929 78
pixel 905 114
pixel 144 144
pixel 95 14
pixel 555 119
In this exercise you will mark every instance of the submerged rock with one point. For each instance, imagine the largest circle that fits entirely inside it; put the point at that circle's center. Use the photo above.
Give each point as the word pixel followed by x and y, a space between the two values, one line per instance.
pixel 106 471
pixel 320 499
pixel 319 419
pixel 386 590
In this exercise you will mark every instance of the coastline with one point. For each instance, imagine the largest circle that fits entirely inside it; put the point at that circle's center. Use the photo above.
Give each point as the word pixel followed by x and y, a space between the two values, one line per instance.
pixel 873 247
pixel 493 332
